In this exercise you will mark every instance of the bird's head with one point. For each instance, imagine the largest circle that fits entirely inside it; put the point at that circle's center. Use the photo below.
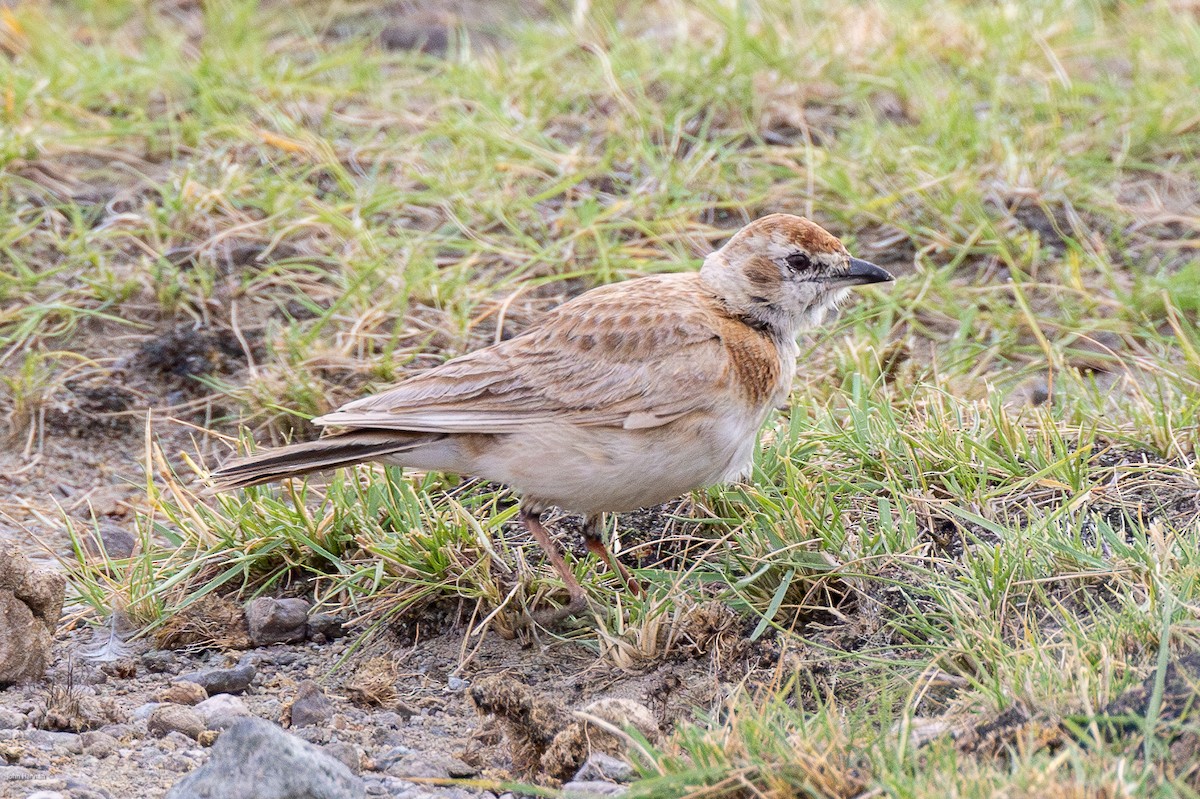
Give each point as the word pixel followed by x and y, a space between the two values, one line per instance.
pixel 783 273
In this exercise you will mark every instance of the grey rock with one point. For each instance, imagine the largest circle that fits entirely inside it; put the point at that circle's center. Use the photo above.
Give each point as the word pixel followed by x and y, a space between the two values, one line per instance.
pixel 389 719
pixel 430 765
pixel 99 744
pixel 255 758
pixel 314 735
pixel 142 712
pixel 273 621
pixel 45 783
pixel 222 681
pixel 31 601
pixel 79 789
pixel 11 719
pixel 392 757
pixel 311 706
pixel 399 789
pixel 325 627
pixel 117 731
pixel 382 737
pixel 347 753
pixel 159 661
pixel 600 766
pixel 457 685
pixel 108 538
pixel 179 761
pixel 15 774
pixel 220 712
pixel 457 793
pixel 166 719
pixel 175 740
pixel 47 795
pixel 51 740
pixel 592 789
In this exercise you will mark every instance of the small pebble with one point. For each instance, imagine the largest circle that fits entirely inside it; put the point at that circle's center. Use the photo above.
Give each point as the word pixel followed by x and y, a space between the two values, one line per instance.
pixel 99 744
pixel 592 790
pixel 166 719
pixel 222 681
pixel 272 621
pixel 310 707
pixel 347 753
pixel 221 711
pixel 142 712
pixel 324 627
pixel 158 661
pixel 184 693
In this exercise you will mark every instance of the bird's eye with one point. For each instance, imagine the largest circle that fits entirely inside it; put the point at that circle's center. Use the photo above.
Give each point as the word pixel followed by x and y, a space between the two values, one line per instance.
pixel 799 261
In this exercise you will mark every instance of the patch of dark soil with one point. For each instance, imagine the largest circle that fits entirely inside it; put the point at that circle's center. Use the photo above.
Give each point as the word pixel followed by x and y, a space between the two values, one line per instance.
pixel 886 246
pixel 891 107
pixel 936 527
pixel 188 351
pixel 796 114
pixel 419 36
pixel 297 311
pixel 1012 730
pixel 648 538
pixel 433 27
pixel 944 534
pixel 1181 689
pixel 796 126
pixel 438 616
pixel 1142 487
pixel 93 406
pixel 863 624
pixel 727 217
pixel 661 537
pixel 232 255
pixel 1051 225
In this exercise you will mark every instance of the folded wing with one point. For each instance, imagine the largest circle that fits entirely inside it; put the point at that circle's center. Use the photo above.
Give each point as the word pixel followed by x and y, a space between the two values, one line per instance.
pixel 635 354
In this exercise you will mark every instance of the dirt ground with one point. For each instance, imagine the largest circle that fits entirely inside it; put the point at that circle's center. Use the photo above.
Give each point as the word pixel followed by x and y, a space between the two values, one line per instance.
pixel 400 709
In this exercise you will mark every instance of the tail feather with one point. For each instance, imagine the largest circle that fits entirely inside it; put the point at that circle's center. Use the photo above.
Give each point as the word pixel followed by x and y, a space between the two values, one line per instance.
pixel 345 449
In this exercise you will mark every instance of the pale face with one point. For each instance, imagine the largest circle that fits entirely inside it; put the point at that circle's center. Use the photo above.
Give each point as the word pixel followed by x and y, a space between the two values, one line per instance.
pixel 786 273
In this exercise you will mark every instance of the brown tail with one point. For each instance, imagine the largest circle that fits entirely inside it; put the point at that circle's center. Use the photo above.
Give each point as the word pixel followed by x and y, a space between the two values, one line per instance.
pixel 344 449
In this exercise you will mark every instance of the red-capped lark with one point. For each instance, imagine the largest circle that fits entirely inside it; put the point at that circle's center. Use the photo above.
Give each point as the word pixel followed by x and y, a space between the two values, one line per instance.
pixel 627 396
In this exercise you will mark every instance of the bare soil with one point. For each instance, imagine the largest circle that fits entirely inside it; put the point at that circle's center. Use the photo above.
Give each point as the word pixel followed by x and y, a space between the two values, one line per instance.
pixel 424 704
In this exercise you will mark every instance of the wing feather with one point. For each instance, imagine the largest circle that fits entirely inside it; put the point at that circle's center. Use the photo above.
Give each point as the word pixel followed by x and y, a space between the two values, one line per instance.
pixel 616 356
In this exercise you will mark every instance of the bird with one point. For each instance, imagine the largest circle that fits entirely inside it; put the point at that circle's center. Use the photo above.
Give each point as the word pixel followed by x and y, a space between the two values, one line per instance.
pixel 627 396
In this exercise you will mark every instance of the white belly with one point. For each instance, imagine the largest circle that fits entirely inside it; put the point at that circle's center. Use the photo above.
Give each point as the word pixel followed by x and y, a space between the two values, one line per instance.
pixel 592 469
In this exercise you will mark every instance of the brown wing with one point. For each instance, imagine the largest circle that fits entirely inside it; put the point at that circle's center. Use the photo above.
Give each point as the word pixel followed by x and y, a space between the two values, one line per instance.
pixel 634 354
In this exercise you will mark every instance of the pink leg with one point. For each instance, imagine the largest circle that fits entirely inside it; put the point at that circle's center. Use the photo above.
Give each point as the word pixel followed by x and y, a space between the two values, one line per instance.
pixel 593 537
pixel 578 599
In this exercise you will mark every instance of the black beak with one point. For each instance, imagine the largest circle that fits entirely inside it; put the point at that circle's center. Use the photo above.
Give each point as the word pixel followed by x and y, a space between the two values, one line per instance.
pixel 860 274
